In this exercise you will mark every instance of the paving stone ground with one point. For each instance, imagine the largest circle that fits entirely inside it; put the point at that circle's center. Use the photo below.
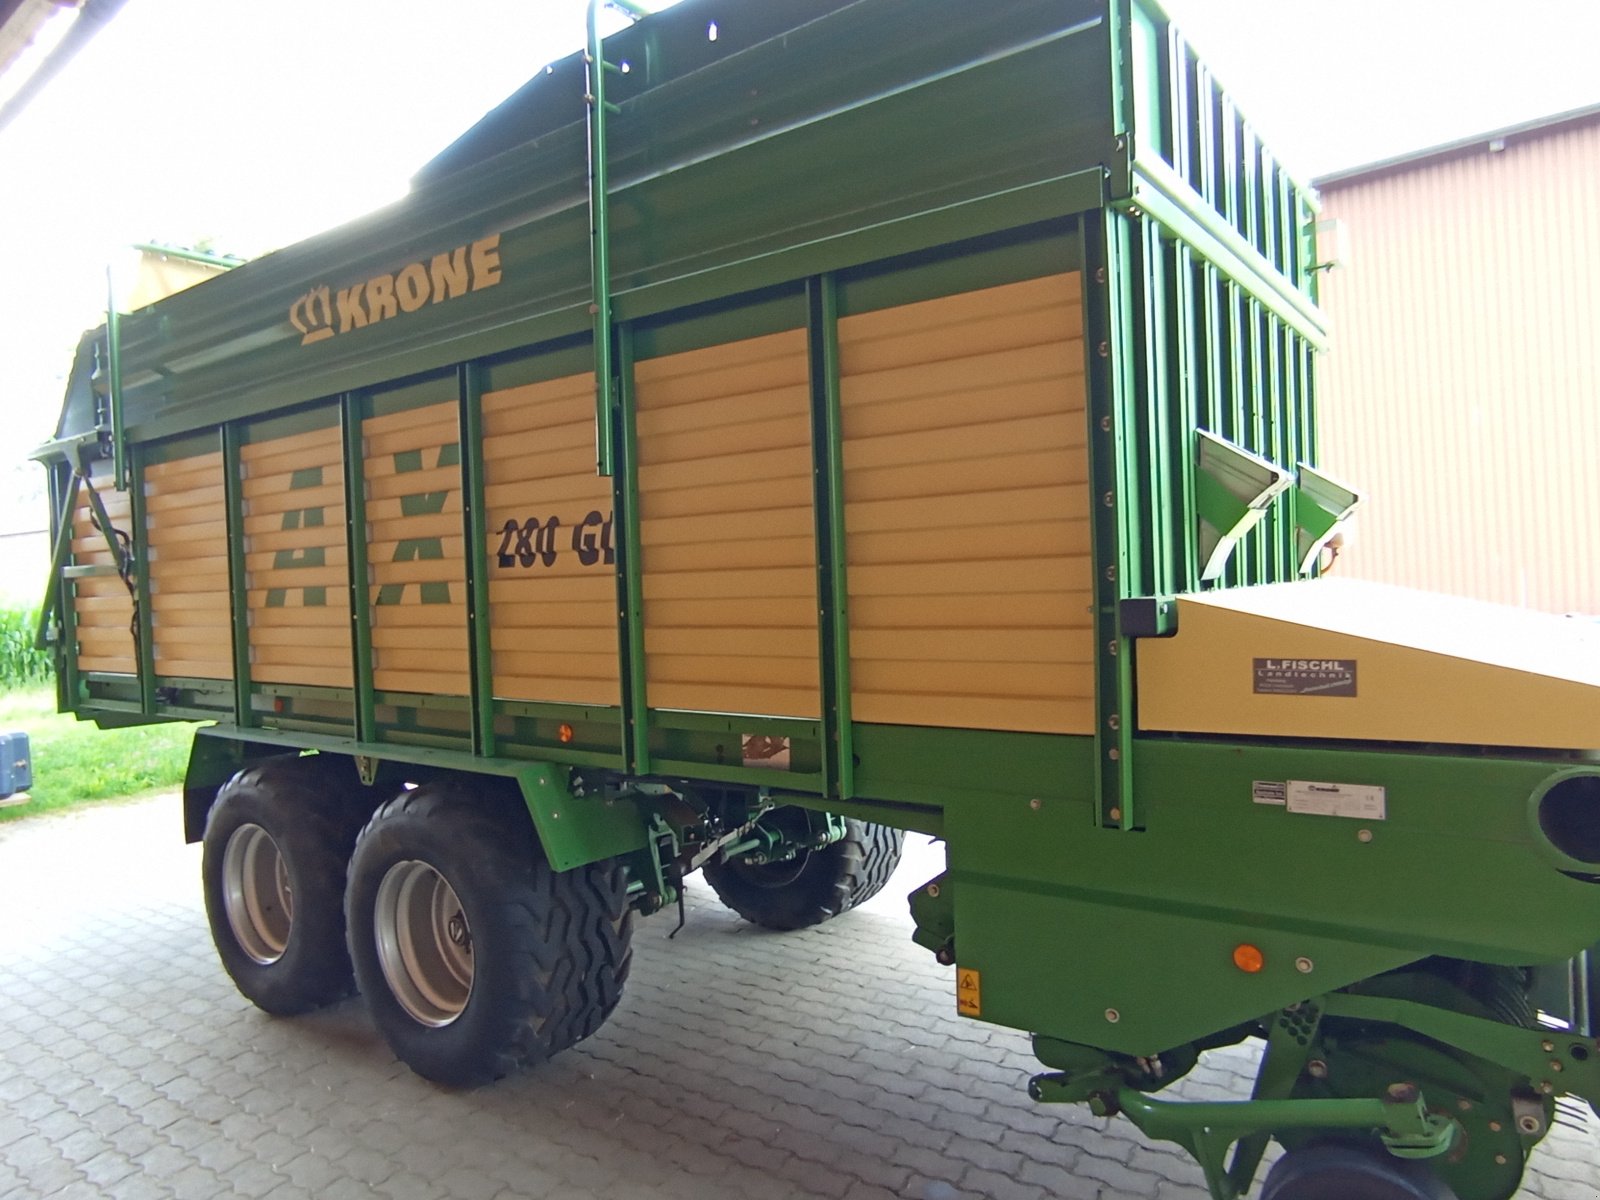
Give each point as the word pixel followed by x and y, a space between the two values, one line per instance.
pixel 741 1064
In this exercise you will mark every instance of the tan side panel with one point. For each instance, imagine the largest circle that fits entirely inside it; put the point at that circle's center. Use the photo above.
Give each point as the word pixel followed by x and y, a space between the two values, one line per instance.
pixel 1398 666
pixel 296 560
pixel 967 511
pixel 552 561
pixel 102 607
pixel 728 548
pixel 186 524
pixel 415 548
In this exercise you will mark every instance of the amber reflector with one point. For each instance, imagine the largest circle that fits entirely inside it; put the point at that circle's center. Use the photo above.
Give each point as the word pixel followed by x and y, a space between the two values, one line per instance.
pixel 1248 958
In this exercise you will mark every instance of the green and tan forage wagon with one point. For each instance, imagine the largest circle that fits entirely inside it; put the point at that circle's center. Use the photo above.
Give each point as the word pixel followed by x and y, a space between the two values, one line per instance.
pixel 956 451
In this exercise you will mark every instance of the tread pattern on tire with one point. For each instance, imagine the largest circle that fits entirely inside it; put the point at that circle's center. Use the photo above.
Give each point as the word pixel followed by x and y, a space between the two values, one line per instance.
pixel 314 826
pixel 880 856
pixel 563 940
pixel 831 882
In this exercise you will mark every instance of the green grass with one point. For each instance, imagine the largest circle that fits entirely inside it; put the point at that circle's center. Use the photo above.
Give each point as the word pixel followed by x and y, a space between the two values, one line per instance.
pixel 77 763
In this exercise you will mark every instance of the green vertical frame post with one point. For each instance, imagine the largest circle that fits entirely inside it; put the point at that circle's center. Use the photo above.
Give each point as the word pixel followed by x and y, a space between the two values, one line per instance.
pixel 139 554
pixel 600 229
pixel 630 575
pixel 477 559
pixel 833 598
pixel 61 548
pixel 69 692
pixel 351 406
pixel 119 449
pixel 1112 431
pixel 238 579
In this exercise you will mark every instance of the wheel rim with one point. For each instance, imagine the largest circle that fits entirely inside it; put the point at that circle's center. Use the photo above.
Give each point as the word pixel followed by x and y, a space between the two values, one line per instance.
pixel 424 943
pixel 256 894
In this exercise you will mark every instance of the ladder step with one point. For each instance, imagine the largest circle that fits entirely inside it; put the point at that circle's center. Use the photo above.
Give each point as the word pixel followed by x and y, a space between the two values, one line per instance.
pixel 89 571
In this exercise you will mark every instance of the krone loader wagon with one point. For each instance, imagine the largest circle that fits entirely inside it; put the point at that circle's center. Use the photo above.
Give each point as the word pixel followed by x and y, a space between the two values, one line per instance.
pixel 797 422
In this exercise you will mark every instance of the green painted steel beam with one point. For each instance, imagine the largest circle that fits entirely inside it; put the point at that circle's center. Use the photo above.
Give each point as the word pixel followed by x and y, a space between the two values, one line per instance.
pixel 61 519
pixel 833 593
pixel 238 577
pixel 630 570
pixel 1112 423
pixel 600 238
pixel 352 406
pixel 115 396
pixel 476 531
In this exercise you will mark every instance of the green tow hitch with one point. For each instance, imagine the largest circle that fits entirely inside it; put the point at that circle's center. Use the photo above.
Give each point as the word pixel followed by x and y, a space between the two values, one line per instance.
pixel 1208 1129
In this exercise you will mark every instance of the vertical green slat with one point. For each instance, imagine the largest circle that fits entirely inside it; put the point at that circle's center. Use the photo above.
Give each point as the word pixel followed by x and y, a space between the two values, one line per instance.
pixel 1106 258
pixel 1210 154
pixel 1213 359
pixel 1186 409
pixel 1295 454
pixel 139 551
pixel 238 584
pixel 1152 386
pixel 1310 429
pixel 351 407
pixel 1178 97
pixel 475 525
pixel 1280 420
pixel 630 575
pixel 833 595
pixel 1239 418
pixel 1229 179
pixel 1251 375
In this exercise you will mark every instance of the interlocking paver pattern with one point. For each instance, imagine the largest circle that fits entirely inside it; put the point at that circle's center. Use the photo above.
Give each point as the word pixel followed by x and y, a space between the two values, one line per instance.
pixel 823 1064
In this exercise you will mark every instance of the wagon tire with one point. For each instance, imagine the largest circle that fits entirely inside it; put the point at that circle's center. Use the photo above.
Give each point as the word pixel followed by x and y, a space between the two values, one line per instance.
pixel 816 885
pixel 476 957
pixel 273 859
pixel 1340 1172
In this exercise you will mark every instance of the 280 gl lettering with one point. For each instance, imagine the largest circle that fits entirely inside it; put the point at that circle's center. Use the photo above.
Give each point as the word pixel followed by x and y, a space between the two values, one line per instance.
pixel 532 542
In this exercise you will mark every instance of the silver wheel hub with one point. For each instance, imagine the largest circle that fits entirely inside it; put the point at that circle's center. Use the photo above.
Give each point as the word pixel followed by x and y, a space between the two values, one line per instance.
pixel 424 943
pixel 256 895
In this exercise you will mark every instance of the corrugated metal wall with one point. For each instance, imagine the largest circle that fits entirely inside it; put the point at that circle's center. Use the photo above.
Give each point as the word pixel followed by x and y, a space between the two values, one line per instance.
pixel 1462 391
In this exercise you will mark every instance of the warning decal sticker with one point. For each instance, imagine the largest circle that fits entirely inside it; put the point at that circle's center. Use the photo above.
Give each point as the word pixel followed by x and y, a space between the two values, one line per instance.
pixel 969 992
pixel 1305 676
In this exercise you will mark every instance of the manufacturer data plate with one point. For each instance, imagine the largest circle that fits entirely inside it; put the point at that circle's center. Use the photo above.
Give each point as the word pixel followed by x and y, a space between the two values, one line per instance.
pixel 1360 801
pixel 1305 676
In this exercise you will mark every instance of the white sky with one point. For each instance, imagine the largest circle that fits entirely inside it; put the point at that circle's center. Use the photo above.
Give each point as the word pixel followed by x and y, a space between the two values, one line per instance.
pixel 256 124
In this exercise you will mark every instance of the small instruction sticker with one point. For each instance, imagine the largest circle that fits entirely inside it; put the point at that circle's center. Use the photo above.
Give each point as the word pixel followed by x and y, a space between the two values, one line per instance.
pixel 1267 791
pixel 969 992
pixel 1305 676
pixel 1361 801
